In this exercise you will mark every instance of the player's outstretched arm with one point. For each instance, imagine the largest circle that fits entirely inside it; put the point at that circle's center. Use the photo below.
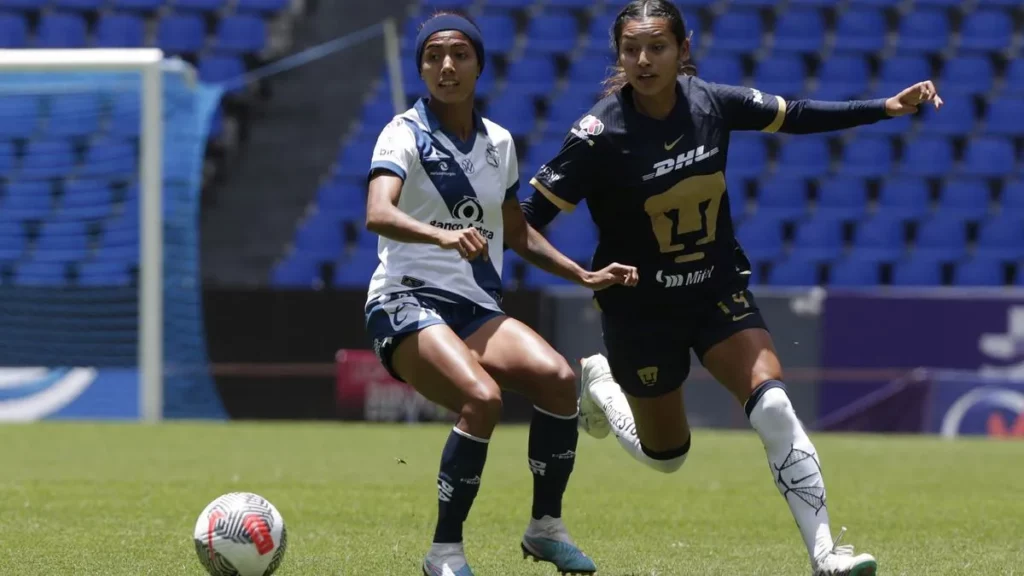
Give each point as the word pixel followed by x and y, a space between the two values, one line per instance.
pixel 535 249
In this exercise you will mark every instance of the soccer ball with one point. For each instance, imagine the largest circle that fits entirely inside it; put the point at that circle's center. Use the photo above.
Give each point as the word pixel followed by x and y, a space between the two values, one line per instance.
pixel 240 534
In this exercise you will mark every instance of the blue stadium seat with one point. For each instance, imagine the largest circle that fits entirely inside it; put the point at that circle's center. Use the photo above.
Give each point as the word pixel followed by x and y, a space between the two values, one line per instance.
pixel 980 271
pixel 842 198
pixel 956 118
pixel 298 270
pixel 588 70
pixel 1005 117
pixel 8 161
pixel 598 31
pixel 782 197
pixel 12 241
pixel 19 116
pixel 1015 77
pixel 805 156
pixel 200 5
pixel 138 5
pixel 574 234
pixel 345 202
pixel 27 200
pixel 1006 3
pixel 74 115
pixel 64 245
pixel 181 34
pixel 241 34
pixel 917 272
pixel 967 75
pixel 61 30
pixel 799 30
pixel 968 198
pixel 986 30
pixel 13 31
pixel 120 31
pixel 517 4
pixel 925 30
pixel 319 235
pixel 40 274
pixel 794 271
pixel 842 77
pixel 124 115
pixel 565 109
pixel 860 30
pixel 880 238
pixel 1013 198
pixel 867 156
pixel 533 74
pixel 819 238
pixel 86 200
pixel 782 74
pixel 262 6
pixel 898 72
pixel 737 31
pixel 514 109
pixel 551 33
pixel 499 30
pixel 761 238
pixel 818 3
pixel 944 236
pixel 904 196
pixel 356 269
pixel 988 156
pixel 103 274
pixel 752 3
pixel 569 3
pixel 854 272
pixel 111 157
pixel 354 158
pixel 48 159
pixel 1002 237
pixel 219 69
pixel 722 69
pixel 748 155
pixel 926 156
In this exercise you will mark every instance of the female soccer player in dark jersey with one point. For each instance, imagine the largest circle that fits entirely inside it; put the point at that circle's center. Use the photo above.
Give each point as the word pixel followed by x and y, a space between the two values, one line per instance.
pixel 650 161
pixel 442 187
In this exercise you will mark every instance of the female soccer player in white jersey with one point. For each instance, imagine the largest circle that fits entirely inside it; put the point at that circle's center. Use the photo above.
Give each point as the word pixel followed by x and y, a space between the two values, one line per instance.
pixel 442 197
pixel 650 160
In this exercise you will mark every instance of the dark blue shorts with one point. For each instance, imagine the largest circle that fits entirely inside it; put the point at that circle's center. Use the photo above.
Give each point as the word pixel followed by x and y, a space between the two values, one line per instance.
pixel 392 317
pixel 649 353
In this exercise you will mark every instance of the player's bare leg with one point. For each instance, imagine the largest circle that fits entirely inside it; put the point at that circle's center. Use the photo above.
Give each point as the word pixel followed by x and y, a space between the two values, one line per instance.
pixel 746 364
pixel 654 431
pixel 520 360
pixel 437 363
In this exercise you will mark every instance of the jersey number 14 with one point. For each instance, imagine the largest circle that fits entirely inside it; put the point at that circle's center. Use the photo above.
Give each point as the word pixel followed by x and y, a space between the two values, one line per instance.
pixel 685 217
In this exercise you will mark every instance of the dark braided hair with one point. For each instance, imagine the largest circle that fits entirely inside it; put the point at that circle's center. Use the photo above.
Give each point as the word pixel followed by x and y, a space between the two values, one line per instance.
pixel 639 10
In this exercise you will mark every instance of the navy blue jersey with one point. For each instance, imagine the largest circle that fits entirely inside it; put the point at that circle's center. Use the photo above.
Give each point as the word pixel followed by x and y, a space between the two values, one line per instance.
pixel 656 189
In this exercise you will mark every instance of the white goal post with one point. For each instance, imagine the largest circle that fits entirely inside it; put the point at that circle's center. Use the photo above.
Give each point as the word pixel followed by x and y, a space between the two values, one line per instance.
pixel 148 62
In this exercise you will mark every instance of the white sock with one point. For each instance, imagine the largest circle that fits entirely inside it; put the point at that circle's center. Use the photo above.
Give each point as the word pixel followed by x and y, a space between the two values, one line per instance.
pixel 794 464
pixel 616 408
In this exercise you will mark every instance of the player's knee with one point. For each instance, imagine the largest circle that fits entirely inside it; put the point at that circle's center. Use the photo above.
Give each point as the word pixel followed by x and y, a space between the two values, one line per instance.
pixel 482 408
pixel 667 461
pixel 770 409
pixel 556 388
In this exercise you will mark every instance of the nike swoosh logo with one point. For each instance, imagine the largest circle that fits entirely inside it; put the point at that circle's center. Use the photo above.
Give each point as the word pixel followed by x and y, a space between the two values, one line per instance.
pixel 673 145
pixel 799 480
pixel 738 318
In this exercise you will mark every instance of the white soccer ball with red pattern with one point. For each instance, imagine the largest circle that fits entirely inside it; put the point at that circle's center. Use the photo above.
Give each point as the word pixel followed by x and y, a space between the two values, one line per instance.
pixel 240 534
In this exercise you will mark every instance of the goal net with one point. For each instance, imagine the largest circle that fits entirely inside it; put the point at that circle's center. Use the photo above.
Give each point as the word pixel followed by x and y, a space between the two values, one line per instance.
pixel 101 156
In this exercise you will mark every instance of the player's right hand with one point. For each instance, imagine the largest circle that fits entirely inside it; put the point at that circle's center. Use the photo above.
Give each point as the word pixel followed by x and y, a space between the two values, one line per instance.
pixel 611 275
pixel 469 243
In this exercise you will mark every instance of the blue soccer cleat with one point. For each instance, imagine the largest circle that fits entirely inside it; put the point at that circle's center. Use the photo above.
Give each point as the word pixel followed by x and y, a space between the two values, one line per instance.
pixel 547 540
pixel 446 560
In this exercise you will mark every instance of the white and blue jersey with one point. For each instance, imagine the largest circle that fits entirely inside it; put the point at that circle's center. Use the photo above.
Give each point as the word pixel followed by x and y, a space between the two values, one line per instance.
pixel 452 185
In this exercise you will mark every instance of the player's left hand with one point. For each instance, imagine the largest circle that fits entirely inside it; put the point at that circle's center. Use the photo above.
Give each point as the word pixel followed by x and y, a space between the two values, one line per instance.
pixel 907 101
pixel 611 275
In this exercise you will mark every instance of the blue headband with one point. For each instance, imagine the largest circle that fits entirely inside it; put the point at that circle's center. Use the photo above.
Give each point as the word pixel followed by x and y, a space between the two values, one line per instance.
pixel 449 22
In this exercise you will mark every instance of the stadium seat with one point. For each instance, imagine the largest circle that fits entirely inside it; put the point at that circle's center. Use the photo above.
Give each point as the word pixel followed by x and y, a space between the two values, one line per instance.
pixel 1002 237
pixel 722 69
pixel 819 238
pixel 867 156
pixel 355 270
pixel 8 161
pixel 737 31
pixel 12 241
pixel 1012 200
pixel 541 152
pixel 220 69
pixel 262 6
pixel 968 198
pixel 40 273
pixel 181 34
pixel 761 238
pixel 200 5
pixel 782 197
pixel 926 156
pixel 138 5
pixel 551 33
pixel 48 159
pixel 120 31
pixel 818 3
pixel 86 200
pixel 842 77
pixel 124 115
pixel 799 30
pixel 19 116
pixel 13 31
pixel 904 196
pixel 980 271
pixel 956 118
pixel 1014 80
pixel 241 34
pixel 61 30
pixel 103 274
pixel 499 30
pixel 794 271
pixel 74 115
pixel 574 234
pixel 860 29
pixel 924 30
pixel 782 74
pixel 988 156
pixel 895 72
pixel 514 109
pixel 986 30
pixel 805 156
pixel 598 31
pixel 967 75
pixel 61 247
pixel 298 270
pixel 917 272
pixel 564 110
pixel 342 202
pixel 1006 3
pixel 943 236
pixel 880 238
pixel 854 272
pixel 319 235
pixel 533 74
pixel 842 198
pixel 515 4
pixel 587 70
pixel 569 3
pixel 111 157
pixel 748 155
pixel 28 200
pixel 1005 117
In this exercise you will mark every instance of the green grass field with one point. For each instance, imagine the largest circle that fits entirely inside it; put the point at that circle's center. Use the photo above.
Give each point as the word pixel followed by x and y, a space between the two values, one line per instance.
pixel 111 500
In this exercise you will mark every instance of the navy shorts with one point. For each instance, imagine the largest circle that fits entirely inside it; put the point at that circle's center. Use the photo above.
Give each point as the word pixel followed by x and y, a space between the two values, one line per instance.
pixel 649 353
pixel 390 318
